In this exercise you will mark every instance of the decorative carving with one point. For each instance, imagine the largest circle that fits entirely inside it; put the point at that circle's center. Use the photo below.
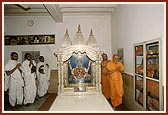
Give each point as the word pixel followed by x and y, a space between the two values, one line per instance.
pixel 89 83
pixel 68 51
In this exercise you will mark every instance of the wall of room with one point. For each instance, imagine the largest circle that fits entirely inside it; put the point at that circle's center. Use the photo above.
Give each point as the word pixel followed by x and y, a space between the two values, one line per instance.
pixel 136 23
pixel 132 24
pixel 128 25
pixel 100 24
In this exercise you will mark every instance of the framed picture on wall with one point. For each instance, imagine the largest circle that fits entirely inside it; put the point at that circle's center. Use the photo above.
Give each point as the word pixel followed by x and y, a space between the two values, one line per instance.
pixel 29 39
pixel 35 55
pixel 120 53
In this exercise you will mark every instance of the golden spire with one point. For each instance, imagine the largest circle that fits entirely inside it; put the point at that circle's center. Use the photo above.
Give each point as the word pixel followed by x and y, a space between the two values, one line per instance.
pixel 79 39
pixel 91 33
pixel 79 29
pixel 66 40
pixel 66 34
pixel 91 40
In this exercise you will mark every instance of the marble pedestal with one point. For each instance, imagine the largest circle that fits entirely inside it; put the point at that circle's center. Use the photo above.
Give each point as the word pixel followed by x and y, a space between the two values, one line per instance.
pixel 81 103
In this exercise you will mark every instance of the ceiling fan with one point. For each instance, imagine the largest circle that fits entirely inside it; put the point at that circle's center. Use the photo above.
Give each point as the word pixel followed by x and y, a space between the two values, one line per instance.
pixel 25 7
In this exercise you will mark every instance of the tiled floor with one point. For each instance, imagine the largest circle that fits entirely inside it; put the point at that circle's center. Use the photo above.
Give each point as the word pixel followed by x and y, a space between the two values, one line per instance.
pixel 121 107
pixel 43 104
pixel 33 107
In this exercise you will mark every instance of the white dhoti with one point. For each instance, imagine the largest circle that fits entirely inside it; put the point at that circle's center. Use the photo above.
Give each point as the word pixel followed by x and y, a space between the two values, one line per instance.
pixel 6 82
pixel 43 79
pixel 29 89
pixel 43 85
pixel 30 84
pixel 15 84
pixel 16 91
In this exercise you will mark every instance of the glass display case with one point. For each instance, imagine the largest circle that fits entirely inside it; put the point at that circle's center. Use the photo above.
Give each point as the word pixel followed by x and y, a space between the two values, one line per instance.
pixel 152 60
pixel 152 75
pixel 148 86
pixel 139 73
pixel 152 95
pixel 139 89
pixel 139 59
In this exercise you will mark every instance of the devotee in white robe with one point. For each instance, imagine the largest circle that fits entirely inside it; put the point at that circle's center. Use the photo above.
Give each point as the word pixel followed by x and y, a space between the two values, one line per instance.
pixel 6 82
pixel 29 75
pixel 14 82
pixel 43 76
pixel 48 73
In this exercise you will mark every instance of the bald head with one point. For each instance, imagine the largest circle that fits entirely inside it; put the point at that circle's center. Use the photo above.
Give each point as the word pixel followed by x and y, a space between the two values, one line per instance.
pixel 115 58
pixel 115 55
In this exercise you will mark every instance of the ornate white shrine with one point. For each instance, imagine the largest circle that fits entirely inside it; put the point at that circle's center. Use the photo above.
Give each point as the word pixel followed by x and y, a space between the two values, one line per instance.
pixel 79 65
pixel 79 76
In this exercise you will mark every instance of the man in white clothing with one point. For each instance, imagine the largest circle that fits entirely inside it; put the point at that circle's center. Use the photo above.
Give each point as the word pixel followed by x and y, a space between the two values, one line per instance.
pixel 42 76
pixel 12 70
pixel 29 75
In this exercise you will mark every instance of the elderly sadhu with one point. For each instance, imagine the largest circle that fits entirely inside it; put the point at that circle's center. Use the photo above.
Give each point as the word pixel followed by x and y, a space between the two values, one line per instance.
pixel 115 68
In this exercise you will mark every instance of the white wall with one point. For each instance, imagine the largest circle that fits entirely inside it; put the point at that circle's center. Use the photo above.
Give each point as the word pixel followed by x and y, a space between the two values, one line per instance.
pixel 100 24
pixel 135 23
pixel 130 24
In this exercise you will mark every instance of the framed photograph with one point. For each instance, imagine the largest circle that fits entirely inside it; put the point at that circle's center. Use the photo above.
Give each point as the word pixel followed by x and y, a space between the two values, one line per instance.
pixel 152 68
pixel 35 55
pixel 79 70
pixel 120 53
pixel 139 89
pixel 152 95
pixel 29 39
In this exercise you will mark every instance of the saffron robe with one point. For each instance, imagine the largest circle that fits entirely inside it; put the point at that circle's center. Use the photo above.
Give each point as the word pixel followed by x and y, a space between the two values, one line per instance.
pixel 116 83
pixel 105 79
pixel 79 71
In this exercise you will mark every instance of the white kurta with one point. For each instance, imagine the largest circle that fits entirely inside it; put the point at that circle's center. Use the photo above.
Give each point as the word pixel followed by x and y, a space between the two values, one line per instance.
pixel 30 85
pixel 15 84
pixel 43 79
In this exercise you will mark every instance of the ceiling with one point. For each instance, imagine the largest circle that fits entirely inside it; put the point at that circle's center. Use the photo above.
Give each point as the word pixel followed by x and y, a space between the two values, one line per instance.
pixel 56 11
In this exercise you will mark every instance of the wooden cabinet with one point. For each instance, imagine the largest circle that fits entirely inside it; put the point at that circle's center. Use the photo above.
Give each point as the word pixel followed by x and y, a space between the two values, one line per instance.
pixel 148 85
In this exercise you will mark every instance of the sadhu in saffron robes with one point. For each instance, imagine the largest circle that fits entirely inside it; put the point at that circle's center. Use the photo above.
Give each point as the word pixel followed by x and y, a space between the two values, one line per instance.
pixel 116 83
pixel 105 79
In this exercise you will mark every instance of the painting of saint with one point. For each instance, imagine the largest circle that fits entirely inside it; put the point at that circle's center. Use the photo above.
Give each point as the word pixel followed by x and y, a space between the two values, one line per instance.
pixel 79 70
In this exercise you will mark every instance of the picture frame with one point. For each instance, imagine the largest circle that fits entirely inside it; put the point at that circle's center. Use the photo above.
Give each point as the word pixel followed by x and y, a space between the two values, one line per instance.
pixel 29 39
pixel 152 69
pixel 75 76
pixel 120 53
pixel 35 55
